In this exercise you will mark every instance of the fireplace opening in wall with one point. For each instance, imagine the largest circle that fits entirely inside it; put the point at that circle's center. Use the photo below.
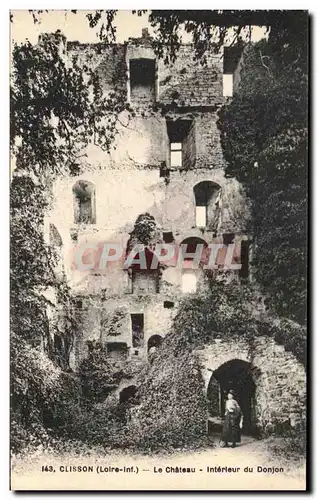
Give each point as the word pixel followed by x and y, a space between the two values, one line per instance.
pixel 145 282
pixel 117 350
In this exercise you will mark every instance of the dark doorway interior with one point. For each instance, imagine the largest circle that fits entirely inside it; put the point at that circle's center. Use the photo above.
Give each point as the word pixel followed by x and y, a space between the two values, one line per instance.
pixel 154 341
pixel 127 394
pixel 137 327
pixel 235 375
pixel 117 350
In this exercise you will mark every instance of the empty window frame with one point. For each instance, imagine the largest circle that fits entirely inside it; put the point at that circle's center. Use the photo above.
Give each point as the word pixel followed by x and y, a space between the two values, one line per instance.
pixel 154 342
pixel 230 63
pixel 142 80
pixel 207 196
pixel 145 282
pixel 168 304
pixel 167 237
pixel 201 216
pixel 181 135
pixel 188 283
pixel 84 202
pixel 137 329
pixel 192 247
pixel 245 249
pixel 117 350
pixel 176 154
pixel 227 85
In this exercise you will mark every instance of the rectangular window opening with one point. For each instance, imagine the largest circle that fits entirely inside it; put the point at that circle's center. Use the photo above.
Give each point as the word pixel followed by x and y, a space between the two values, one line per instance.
pixel 168 304
pixel 176 154
pixel 228 238
pixel 189 283
pixel 142 80
pixel 201 216
pixel 145 282
pixel 244 271
pixel 137 328
pixel 227 85
pixel 117 350
pixel 167 237
pixel 182 142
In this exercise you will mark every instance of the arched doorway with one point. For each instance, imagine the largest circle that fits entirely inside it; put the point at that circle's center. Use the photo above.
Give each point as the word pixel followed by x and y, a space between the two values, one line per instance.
pixel 236 375
pixel 127 394
pixel 154 342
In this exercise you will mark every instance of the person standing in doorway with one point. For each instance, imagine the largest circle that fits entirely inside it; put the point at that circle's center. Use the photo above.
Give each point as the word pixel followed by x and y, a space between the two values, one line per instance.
pixel 233 420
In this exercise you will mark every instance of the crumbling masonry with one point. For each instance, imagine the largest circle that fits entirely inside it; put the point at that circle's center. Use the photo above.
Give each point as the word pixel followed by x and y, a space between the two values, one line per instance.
pixel 167 163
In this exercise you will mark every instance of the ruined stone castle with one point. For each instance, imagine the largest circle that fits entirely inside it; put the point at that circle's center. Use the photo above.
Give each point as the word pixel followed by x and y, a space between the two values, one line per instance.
pixel 167 163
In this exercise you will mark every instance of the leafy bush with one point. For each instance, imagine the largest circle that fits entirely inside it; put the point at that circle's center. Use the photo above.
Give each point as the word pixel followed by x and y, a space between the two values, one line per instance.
pixel 99 373
pixel 229 310
pixel 264 135
pixel 292 446
pixel 289 334
pixel 42 396
pixel 172 409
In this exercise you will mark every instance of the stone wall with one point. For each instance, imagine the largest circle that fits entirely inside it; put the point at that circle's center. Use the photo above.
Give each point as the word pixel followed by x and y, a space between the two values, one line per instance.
pixel 184 83
pixel 279 378
pixel 93 322
pixel 128 181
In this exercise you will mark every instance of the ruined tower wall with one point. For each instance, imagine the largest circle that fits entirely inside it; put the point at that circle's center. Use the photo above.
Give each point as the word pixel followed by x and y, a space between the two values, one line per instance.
pixel 137 177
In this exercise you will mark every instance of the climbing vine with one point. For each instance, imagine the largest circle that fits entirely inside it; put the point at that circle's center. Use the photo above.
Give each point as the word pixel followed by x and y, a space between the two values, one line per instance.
pixel 264 139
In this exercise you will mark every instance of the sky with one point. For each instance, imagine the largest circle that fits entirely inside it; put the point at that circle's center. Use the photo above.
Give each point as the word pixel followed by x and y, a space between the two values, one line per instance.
pixel 75 26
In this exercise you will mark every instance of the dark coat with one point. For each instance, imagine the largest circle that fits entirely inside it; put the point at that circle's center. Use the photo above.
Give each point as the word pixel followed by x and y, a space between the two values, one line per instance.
pixel 231 432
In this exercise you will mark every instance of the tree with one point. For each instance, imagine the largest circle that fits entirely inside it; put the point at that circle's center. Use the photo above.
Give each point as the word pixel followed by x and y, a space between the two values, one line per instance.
pixel 264 138
pixel 57 108
pixel 210 29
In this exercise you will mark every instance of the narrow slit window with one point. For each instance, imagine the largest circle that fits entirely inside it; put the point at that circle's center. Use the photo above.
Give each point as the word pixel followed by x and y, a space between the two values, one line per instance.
pixel 244 271
pixel 137 329
pixel 84 202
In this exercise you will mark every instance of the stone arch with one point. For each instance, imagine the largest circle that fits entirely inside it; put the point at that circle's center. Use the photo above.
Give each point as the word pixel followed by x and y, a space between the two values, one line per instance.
pixel 219 352
pixel 127 394
pixel 84 202
pixel 207 204
pixel 154 342
pixel 192 243
pixel 280 379
pixel 236 375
